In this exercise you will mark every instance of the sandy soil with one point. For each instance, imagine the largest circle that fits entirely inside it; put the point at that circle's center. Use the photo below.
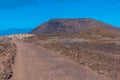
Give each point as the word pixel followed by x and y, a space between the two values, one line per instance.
pixel 36 63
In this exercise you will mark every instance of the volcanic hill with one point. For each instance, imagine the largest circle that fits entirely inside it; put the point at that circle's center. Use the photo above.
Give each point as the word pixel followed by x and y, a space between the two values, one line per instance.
pixel 73 26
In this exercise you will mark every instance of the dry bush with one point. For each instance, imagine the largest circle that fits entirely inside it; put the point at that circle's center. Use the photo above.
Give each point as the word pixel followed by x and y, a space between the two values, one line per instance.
pixel 7 55
pixel 93 55
pixel 102 56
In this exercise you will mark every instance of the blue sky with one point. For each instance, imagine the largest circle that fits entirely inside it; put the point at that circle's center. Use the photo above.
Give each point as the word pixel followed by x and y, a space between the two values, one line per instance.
pixel 31 13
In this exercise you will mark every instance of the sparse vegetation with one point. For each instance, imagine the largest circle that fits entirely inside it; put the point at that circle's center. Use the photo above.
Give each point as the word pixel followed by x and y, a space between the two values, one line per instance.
pixel 7 55
pixel 95 56
pixel 102 56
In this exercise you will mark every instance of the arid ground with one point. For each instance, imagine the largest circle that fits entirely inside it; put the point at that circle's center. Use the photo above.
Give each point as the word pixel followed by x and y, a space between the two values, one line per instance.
pixel 37 63
pixel 100 54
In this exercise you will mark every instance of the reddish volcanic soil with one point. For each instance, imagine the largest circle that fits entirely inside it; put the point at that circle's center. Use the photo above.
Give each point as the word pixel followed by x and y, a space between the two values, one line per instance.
pixel 37 63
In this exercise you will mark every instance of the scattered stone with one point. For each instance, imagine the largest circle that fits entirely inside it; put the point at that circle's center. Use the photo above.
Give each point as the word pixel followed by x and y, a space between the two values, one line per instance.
pixel 7 55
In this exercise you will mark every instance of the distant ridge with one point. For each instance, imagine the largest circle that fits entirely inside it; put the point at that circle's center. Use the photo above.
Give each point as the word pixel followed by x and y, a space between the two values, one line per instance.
pixel 13 31
pixel 71 26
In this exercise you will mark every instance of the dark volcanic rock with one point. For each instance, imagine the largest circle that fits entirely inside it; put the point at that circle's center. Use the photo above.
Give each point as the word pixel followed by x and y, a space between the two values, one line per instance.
pixel 75 26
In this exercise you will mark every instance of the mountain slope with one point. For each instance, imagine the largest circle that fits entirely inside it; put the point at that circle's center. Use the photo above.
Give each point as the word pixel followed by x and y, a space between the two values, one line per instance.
pixel 71 26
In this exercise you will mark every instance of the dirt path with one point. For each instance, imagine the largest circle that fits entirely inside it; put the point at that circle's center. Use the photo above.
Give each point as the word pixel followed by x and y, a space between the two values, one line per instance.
pixel 36 63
